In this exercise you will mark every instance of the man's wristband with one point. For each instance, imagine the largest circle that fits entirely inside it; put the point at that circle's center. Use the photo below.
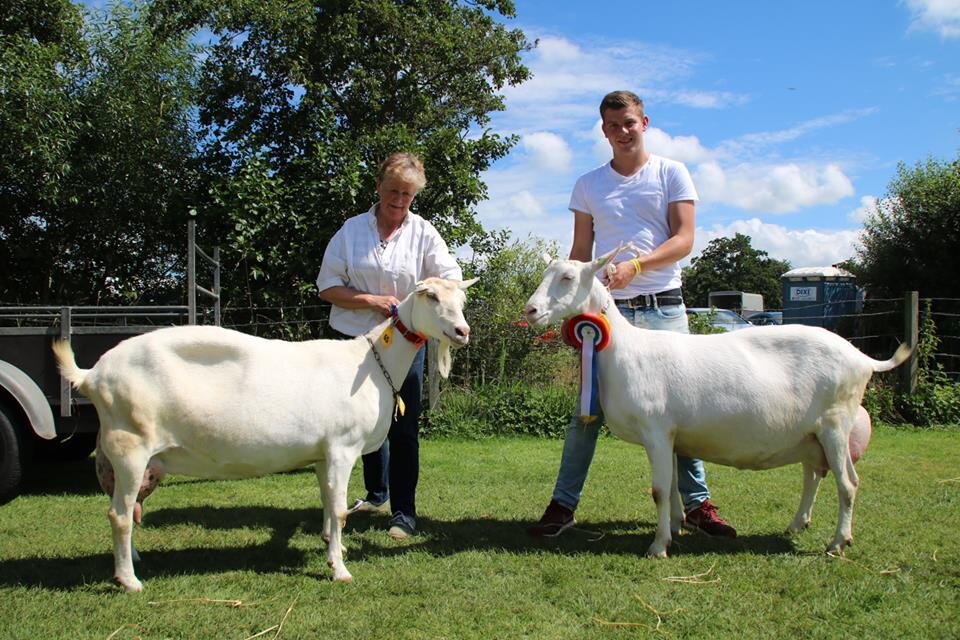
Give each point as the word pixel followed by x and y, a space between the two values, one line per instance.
pixel 636 265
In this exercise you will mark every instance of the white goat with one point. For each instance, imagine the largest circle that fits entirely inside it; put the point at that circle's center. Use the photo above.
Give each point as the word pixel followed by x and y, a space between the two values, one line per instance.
pixel 755 399
pixel 215 403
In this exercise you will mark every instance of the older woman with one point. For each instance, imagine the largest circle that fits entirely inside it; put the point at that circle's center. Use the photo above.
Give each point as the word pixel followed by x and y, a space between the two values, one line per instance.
pixel 371 263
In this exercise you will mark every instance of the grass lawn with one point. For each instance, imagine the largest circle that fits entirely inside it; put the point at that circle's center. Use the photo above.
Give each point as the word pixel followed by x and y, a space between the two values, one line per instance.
pixel 233 559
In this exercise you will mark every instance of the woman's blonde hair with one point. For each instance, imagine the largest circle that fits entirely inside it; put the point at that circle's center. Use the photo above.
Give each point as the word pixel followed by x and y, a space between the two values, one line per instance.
pixel 403 166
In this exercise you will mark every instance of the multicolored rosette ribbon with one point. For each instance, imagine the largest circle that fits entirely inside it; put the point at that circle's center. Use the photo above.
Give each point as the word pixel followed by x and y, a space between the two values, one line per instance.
pixel 590 334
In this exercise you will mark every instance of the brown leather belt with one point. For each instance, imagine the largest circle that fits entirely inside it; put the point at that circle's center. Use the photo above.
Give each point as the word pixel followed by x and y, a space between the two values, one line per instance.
pixel 649 300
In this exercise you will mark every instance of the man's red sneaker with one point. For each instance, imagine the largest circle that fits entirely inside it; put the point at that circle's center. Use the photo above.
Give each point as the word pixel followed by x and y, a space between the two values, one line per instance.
pixel 706 519
pixel 555 520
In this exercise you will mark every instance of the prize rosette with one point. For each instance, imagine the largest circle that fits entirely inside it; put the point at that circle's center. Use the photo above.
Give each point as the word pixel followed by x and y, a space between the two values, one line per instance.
pixel 590 334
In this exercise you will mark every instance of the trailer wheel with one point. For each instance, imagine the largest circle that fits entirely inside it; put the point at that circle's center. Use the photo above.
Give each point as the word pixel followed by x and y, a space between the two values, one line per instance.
pixel 13 455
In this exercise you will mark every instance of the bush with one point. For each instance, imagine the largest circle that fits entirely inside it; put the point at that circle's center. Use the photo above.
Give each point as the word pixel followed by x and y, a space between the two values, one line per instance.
pixel 502 409
pixel 936 399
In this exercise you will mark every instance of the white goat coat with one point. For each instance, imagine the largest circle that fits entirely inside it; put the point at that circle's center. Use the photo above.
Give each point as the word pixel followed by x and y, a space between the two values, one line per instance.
pixel 706 389
pixel 215 403
pixel 244 406
pixel 755 399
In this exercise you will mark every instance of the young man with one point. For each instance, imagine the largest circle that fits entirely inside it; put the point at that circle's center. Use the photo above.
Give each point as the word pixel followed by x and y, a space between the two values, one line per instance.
pixel 649 201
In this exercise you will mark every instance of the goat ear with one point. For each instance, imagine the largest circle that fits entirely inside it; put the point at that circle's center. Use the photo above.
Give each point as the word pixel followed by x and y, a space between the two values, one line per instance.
pixel 422 286
pixel 602 261
pixel 466 284
pixel 443 358
pixel 547 258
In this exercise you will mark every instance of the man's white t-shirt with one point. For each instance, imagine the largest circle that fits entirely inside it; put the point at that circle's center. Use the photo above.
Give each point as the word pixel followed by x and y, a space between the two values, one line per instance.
pixel 355 259
pixel 634 209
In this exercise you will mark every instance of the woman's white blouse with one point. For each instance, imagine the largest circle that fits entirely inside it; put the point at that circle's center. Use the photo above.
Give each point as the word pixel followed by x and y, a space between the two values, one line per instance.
pixel 355 258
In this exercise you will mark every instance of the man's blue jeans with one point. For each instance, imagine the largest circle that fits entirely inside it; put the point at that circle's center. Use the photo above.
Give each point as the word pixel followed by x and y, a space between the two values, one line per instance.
pixel 581 439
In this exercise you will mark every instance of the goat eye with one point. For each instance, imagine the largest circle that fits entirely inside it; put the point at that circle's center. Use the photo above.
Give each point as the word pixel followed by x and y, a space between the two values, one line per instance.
pixel 567 278
pixel 433 296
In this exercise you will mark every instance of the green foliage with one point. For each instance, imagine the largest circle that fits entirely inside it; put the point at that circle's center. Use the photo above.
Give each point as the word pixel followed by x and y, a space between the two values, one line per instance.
pixel 96 144
pixel 936 399
pixel 703 324
pixel 507 277
pixel 910 242
pixel 503 409
pixel 731 264
pixel 309 96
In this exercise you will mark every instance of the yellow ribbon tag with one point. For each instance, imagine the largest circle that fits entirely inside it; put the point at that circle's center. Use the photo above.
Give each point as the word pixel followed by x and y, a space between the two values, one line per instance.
pixel 387 337
pixel 401 407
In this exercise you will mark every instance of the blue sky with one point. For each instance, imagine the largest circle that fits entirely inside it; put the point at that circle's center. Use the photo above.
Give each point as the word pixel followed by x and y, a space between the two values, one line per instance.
pixel 791 116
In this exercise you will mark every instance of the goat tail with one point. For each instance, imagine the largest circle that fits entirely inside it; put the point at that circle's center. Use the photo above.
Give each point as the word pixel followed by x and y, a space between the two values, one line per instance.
pixel 67 363
pixel 901 354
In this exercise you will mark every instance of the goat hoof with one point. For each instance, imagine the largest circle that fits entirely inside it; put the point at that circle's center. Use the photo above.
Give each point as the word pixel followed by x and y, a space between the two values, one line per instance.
pixel 342 576
pixel 131 585
pixel 657 553
pixel 794 529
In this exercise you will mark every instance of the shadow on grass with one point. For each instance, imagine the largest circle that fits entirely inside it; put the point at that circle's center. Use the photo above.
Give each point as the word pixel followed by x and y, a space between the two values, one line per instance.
pixel 54 478
pixel 437 537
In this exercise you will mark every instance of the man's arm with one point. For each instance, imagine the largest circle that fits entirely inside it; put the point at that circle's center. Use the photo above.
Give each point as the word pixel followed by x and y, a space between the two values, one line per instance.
pixel 582 248
pixel 680 216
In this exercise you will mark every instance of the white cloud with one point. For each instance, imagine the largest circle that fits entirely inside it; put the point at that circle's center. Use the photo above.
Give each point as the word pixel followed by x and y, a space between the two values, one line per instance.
pixel 868 204
pixel 548 151
pixel 686 149
pixel 801 247
pixel 941 16
pixel 773 188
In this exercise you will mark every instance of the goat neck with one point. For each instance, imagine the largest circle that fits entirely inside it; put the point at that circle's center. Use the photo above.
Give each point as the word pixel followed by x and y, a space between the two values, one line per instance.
pixel 396 351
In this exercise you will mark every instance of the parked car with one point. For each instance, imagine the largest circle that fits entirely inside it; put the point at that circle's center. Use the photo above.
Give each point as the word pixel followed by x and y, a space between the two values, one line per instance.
pixel 721 318
pixel 763 318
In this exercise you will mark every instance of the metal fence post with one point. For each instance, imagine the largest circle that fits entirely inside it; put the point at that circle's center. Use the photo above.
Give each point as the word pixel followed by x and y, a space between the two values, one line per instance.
pixel 66 392
pixel 911 333
pixel 191 272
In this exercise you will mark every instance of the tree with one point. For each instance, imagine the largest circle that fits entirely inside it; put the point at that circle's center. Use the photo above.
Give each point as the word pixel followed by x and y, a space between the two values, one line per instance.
pixel 910 241
pixel 731 264
pixel 96 144
pixel 301 99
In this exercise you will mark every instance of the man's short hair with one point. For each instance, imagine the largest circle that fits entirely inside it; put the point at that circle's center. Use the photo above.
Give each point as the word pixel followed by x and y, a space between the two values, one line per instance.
pixel 621 100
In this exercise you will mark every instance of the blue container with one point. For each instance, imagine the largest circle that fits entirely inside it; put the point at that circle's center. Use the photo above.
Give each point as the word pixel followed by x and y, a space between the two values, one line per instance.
pixel 820 296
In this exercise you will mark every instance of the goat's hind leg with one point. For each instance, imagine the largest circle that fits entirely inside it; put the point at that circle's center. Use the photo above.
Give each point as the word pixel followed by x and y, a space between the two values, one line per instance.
pixel 835 443
pixel 811 483
pixel 129 458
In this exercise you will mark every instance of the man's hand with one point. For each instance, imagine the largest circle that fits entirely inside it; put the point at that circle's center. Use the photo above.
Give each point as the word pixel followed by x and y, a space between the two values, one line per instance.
pixel 619 275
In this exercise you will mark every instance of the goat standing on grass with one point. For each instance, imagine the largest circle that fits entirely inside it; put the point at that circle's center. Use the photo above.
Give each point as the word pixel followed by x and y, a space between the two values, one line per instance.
pixel 215 403
pixel 756 399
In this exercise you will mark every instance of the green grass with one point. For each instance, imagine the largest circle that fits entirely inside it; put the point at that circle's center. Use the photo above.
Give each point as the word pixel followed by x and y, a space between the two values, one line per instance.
pixel 473 573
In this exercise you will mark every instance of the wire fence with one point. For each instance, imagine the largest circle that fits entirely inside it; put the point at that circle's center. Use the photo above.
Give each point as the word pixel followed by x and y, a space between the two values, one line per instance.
pixel 503 350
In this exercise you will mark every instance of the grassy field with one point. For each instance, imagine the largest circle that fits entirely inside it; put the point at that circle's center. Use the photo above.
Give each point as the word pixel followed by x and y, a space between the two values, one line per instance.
pixel 234 559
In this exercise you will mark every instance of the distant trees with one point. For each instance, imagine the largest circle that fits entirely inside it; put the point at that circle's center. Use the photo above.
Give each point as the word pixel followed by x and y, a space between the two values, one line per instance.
pixel 732 264
pixel 301 99
pixel 114 128
pixel 912 239
pixel 96 145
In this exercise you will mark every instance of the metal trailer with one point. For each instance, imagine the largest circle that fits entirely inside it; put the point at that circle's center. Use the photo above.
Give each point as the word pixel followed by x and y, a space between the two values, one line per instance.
pixel 36 402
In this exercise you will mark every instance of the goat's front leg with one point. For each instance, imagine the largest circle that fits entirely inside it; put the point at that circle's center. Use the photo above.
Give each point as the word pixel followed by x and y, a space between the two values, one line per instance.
pixel 837 449
pixel 660 455
pixel 811 483
pixel 129 460
pixel 339 465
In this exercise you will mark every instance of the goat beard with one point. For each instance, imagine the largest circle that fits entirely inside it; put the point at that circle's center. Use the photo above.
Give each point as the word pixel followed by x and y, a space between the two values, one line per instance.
pixel 444 359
